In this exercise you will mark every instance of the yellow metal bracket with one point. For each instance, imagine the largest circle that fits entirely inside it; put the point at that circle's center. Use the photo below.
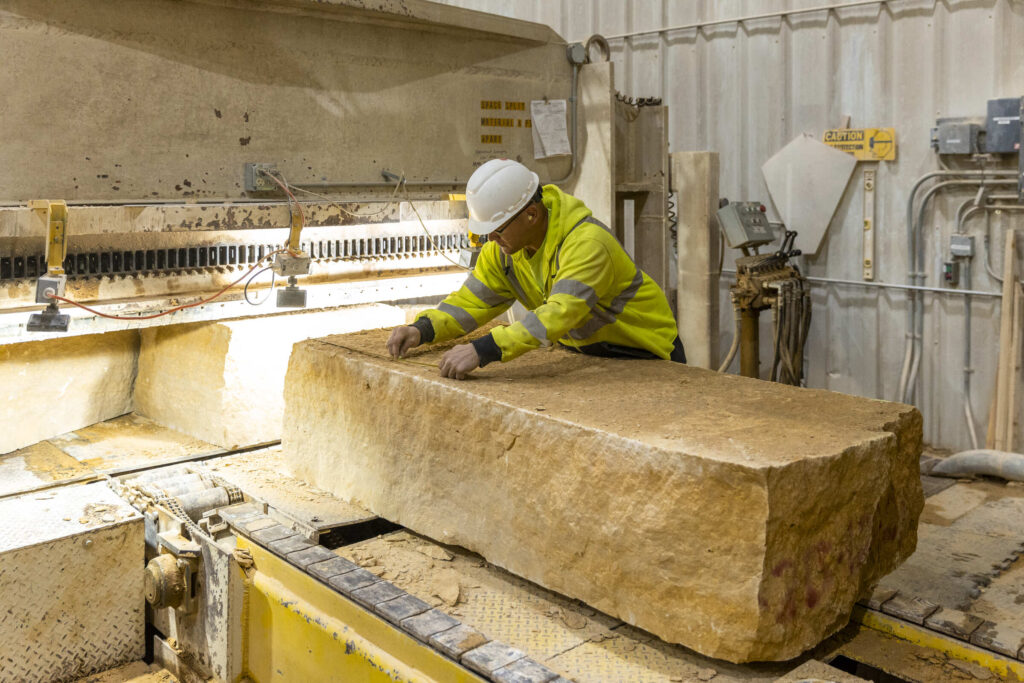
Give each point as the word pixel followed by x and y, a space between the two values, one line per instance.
pixel 296 232
pixel 298 629
pixel 50 287
pixel 54 214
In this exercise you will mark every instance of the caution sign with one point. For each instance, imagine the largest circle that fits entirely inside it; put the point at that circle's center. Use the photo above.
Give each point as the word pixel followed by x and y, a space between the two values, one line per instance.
pixel 866 144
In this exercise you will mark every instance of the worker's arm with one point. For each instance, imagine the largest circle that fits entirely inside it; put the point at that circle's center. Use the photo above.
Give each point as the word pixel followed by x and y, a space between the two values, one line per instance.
pixel 585 275
pixel 485 295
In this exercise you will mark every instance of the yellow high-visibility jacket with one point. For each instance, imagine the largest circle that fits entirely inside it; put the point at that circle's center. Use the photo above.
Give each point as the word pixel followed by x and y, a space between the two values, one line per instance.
pixel 580 287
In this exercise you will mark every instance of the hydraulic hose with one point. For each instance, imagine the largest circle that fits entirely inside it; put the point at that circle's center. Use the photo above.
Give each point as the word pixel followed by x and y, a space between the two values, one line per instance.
pixel 735 339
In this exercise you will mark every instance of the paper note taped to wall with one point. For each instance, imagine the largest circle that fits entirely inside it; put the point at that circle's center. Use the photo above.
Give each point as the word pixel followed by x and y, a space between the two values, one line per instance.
pixel 550 133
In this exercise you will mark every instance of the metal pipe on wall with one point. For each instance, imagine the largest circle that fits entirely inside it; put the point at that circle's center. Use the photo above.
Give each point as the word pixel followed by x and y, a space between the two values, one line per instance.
pixel 917 337
pixel 749 341
pixel 915 257
pixel 749 17
pixel 968 370
pixel 891 285
pixel 968 412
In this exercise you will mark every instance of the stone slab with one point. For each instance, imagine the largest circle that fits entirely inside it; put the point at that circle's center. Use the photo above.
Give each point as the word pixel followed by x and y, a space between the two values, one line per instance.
pixel 223 381
pixel 737 517
pixel 59 385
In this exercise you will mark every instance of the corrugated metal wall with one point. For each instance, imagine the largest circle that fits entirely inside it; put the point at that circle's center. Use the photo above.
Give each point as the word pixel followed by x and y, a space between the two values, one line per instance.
pixel 745 89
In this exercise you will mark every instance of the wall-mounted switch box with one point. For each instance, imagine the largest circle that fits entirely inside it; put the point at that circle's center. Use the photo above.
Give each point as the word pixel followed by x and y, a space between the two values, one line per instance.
pixel 961 245
pixel 951 273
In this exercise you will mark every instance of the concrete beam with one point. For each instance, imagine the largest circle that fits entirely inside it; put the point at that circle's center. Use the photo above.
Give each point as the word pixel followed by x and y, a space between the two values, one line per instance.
pixel 695 180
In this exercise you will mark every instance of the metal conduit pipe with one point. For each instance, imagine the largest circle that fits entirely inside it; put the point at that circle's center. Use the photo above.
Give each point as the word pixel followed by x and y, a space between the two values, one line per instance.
pixel 573 106
pixel 988 229
pixel 917 308
pixel 750 17
pixel 602 45
pixel 968 412
pixel 912 260
pixel 968 370
pixel 912 267
pixel 915 245
pixel 890 285
pixel 988 252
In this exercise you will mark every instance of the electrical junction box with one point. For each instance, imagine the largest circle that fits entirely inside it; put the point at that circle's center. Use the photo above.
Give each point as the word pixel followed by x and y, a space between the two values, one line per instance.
pixel 745 224
pixel 71 578
pixel 961 245
pixel 951 273
pixel 956 136
pixel 1003 126
pixel 255 178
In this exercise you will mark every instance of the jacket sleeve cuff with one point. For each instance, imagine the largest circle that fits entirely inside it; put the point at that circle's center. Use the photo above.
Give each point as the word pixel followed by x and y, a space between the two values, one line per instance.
pixel 426 329
pixel 487 349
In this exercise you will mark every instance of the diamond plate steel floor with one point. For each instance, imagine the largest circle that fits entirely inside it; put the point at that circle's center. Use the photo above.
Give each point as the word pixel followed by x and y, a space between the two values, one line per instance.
pixel 71 581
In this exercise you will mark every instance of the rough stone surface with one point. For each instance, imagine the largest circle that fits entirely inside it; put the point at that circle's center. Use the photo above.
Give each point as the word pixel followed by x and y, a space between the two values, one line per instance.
pixel 737 517
pixel 223 381
pixel 58 385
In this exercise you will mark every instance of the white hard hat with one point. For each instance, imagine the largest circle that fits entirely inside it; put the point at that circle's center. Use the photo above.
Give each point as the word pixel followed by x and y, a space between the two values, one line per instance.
pixel 496 191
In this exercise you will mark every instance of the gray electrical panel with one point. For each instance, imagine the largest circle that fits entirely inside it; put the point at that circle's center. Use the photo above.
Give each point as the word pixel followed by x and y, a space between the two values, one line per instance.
pixel 745 225
pixel 956 136
pixel 961 245
pixel 1003 126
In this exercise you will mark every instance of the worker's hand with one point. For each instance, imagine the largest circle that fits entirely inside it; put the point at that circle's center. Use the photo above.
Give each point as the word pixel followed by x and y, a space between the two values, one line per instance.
pixel 458 362
pixel 402 339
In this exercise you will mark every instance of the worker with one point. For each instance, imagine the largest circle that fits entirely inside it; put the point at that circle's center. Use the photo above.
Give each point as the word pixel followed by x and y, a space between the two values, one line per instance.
pixel 544 249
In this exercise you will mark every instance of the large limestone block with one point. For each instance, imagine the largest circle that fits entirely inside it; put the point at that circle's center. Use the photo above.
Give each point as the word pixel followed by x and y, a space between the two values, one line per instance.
pixel 223 382
pixel 737 517
pixel 54 386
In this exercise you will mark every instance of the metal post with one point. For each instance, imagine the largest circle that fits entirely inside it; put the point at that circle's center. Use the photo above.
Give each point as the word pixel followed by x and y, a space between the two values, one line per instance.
pixel 749 340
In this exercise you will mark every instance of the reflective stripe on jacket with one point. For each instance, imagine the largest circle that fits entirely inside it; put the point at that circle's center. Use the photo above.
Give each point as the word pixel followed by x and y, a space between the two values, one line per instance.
pixel 580 287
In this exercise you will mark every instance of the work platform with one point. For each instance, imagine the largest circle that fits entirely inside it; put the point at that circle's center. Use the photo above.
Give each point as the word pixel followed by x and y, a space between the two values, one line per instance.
pixel 966 570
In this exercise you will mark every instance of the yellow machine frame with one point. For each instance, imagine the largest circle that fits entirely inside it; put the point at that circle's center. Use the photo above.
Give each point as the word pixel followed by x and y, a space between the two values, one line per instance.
pixel 298 629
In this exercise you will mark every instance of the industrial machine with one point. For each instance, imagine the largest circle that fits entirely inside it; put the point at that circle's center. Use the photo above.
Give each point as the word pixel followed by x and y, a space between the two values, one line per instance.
pixel 763 282
pixel 203 152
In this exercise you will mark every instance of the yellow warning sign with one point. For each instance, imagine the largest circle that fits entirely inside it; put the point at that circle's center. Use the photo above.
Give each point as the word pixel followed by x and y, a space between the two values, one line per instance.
pixel 866 144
